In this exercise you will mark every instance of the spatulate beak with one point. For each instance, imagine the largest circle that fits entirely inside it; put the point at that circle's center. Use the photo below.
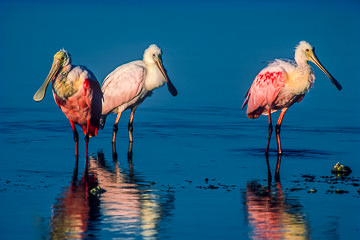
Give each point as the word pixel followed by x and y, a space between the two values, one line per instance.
pixel 316 61
pixel 169 84
pixel 40 94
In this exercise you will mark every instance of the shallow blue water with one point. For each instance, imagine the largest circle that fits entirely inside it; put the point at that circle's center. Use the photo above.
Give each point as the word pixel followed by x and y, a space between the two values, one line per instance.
pixel 198 168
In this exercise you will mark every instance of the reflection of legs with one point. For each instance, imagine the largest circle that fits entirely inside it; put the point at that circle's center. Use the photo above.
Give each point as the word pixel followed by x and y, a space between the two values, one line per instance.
pixel 277 128
pixel 114 153
pixel 277 170
pixel 270 132
pixel 131 169
pixel 76 138
pixel 130 125
pixel 86 167
pixel 75 173
pixel 269 171
pixel 115 127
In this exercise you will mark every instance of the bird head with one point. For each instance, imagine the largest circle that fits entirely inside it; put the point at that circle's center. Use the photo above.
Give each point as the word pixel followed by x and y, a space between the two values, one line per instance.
pixel 153 55
pixel 306 52
pixel 61 59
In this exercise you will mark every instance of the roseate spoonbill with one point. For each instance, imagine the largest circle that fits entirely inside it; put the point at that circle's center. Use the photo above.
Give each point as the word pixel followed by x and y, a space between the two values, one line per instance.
pixel 128 85
pixel 78 94
pixel 282 83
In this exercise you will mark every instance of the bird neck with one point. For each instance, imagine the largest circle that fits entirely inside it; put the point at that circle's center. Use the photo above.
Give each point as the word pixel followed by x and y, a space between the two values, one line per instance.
pixel 300 57
pixel 301 80
pixel 62 85
pixel 154 79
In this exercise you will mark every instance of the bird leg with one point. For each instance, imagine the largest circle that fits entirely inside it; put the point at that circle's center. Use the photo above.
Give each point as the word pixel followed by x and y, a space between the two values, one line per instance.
pixel 76 138
pixel 115 127
pixel 277 128
pixel 130 153
pixel 270 132
pixel 130 125
pixel 87 137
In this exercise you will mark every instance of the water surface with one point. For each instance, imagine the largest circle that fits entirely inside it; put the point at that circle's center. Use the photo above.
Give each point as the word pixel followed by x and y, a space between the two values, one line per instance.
pixel 197 168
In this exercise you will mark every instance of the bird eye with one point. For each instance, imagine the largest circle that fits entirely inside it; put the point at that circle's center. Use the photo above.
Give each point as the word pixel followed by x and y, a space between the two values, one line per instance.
pixel 307 49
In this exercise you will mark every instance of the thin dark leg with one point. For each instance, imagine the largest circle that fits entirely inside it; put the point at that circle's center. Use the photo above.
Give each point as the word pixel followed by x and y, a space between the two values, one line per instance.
pixel 87 138
pixel 130 125
pixel 87 148
pixel 76 138
pixel 130 153
pixel 115 127
pixel 270 132
pixel 277 128
pixel 114 153
pixel 87 144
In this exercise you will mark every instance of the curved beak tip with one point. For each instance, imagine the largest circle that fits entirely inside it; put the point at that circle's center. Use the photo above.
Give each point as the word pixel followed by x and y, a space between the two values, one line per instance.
pixel 335 83
pixel 38 96
pixel 172 89
pixel 316 61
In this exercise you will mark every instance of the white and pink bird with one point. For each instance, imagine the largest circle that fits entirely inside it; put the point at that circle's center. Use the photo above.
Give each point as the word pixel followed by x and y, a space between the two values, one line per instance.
pixel 281 84
pixel 128 85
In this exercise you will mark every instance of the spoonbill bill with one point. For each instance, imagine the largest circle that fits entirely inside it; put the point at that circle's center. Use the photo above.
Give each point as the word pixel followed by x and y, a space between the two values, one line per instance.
pixel 128 85
pixel 77 93
pixel 281 84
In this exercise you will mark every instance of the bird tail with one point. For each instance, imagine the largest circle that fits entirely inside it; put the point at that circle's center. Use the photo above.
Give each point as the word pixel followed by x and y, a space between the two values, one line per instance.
pixel 92 130
pixel 102 122
pixel 247 96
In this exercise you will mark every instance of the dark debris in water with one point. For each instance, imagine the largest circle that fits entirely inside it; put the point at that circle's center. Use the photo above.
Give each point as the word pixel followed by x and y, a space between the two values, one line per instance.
pixel 308 178
pixel 295 189
pixel 312 190
pixel 341 170
pixel 97 191
pixel 339 191
pixel 212 187
pixel 305 183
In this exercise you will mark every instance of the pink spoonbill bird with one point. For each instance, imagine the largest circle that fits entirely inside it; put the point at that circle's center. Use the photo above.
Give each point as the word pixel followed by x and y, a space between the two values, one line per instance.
pixel 128 85
pixel 281 84
pixel 78 94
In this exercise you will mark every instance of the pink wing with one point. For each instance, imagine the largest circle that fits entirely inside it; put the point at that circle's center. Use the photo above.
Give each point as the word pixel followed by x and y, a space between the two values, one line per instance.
pixel 264 90
pixel 85 104
pixel 122 85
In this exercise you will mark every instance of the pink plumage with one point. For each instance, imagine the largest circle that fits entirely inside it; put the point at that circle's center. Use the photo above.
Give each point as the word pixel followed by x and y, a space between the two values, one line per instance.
pixel 128 86
pixel 77 93
pixel 264 91
pixel 281 84
pixel 122 86
pixel 83 106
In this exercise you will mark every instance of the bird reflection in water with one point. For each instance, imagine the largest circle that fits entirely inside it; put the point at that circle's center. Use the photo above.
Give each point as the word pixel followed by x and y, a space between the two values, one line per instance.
pixel 129 207
pixel 270 214
pixel 75 209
